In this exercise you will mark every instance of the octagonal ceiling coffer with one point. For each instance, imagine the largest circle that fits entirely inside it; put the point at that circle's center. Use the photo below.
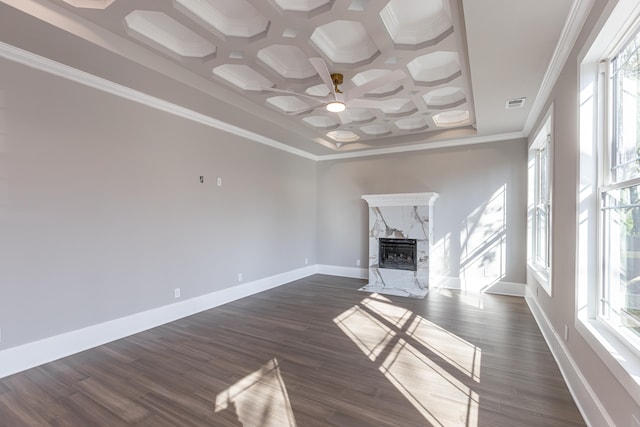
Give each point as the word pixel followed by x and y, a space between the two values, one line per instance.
pixel 321 122
pixel 446 97
pixel 343 136
pixel 243 76
pixel 376 129
pixel 452 118
pixel 398 107
pixel 345 42
pixel 357 115
pixel 412 124
pixel 417 23
pixel 159 30
pixel 237 18
pixel 310 7
pixel 288 61
pixel 369 75
pixel 89 4
pixel 435 68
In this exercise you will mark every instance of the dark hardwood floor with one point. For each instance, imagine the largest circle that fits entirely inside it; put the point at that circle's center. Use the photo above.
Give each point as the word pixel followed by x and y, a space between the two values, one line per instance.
pixel 315 352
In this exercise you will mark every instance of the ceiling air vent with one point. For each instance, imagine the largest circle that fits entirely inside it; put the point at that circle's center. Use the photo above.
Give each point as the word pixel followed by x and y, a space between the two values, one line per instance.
pixel 515 103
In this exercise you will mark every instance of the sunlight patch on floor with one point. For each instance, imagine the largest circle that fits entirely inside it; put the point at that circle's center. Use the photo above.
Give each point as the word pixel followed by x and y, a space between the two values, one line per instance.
pixel 431 388
pixel 426 363
pixel 369 334
pixel 459 353
pixel 259 399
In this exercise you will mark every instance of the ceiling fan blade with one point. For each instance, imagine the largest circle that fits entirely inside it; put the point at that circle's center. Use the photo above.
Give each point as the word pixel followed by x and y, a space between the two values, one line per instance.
pixel 323 71
pixel 304 110
pixel 302 95
pixel 388 78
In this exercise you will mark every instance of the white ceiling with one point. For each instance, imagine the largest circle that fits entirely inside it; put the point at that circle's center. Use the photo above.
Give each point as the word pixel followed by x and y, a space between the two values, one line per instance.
pixel 462 61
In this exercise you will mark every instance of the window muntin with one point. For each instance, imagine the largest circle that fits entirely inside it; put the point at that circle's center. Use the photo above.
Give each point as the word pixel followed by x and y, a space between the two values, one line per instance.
pixel 620 293
pixel 625 87
pixel 542 229
pixel 619 290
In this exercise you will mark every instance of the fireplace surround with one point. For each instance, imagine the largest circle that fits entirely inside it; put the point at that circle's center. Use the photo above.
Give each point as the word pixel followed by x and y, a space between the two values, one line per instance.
pixel 400 229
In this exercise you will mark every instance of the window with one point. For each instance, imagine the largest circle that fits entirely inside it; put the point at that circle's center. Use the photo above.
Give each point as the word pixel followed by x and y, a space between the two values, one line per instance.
pixel 539 204
pixel 619 296
pixel 608 194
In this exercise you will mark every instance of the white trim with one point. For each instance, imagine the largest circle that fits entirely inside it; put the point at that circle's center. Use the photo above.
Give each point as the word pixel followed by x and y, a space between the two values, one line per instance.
pixel 424 146
pixel 38 62
pixel 29 355
pixel 619 359
pixel 591 408
pixel 542 276
pixel 573 26
pixel 336 270
pixel 512 289
pixel 400 199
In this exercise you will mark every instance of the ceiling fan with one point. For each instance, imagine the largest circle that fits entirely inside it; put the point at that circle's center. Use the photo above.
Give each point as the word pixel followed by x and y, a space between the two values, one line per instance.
pixel 337 101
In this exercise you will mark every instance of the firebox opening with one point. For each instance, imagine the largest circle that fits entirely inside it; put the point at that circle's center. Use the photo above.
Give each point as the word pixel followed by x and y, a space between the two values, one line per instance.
pixel 399 254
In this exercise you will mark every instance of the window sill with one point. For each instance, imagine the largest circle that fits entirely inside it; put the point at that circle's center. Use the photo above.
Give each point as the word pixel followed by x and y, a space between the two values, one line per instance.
pixel 623 363
pixel 541 276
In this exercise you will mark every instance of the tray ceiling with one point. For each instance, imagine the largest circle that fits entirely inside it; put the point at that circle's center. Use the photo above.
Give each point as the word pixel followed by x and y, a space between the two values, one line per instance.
pixel 259 51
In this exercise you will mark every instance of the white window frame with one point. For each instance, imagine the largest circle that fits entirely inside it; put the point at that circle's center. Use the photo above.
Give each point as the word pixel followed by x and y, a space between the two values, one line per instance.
pixel 621 19
pixel 611 269
pixel 539 259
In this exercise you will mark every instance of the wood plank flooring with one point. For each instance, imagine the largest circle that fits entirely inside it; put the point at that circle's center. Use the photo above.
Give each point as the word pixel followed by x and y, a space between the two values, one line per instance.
pixel 315 352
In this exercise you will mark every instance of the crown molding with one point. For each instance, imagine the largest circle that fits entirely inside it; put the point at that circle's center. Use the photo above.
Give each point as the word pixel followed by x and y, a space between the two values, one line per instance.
pixel 400 199
pixel 38 62
pixel 578 14
pixel 424 146
pixel 50 66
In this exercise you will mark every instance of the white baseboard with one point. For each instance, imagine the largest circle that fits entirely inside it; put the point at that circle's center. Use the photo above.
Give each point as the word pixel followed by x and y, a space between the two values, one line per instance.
pixel 590 407
pixel 499 288
pixel 36 353
pixel 336 270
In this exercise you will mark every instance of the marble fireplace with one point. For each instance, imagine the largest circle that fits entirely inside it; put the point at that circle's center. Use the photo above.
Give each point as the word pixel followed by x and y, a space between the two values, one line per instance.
pixel 399 242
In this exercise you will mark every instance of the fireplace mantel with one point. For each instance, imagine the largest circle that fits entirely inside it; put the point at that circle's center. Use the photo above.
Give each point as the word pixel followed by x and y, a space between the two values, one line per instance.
pixel 400 216
pixel 400 199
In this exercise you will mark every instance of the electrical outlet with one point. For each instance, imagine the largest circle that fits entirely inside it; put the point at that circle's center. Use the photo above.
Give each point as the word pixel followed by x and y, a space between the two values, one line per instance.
pixel 566 333
pixel 176 293
pixel 239 277
pixel 358 262
pixel 219 182
pixel 306 261
pixel 201 179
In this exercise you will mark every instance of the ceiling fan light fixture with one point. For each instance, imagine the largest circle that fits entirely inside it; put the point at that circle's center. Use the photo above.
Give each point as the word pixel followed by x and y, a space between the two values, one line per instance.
pixel 336 106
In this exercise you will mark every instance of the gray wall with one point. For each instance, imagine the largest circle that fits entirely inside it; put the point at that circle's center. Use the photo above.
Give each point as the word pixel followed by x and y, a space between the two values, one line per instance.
pixel 560 309
pixel 482 200
pixel 102 214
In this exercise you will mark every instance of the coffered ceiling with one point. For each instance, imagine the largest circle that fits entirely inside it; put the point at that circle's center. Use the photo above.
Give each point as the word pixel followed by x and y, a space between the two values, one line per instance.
pixel 413 71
